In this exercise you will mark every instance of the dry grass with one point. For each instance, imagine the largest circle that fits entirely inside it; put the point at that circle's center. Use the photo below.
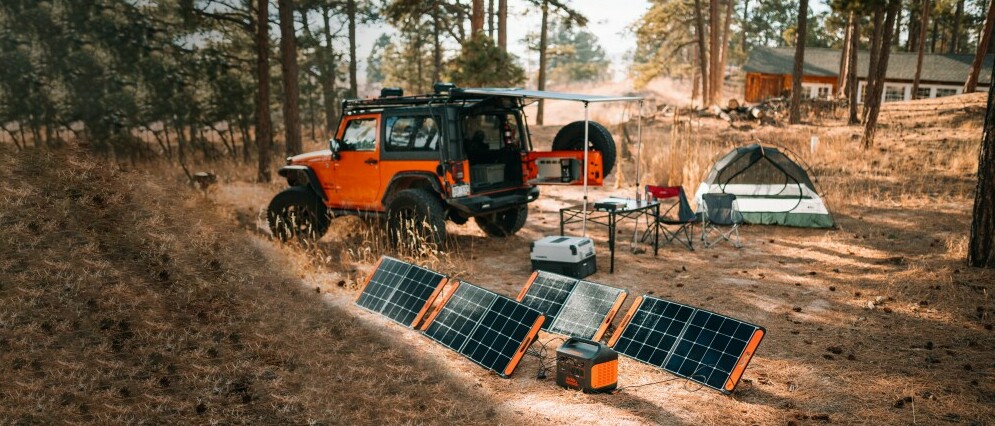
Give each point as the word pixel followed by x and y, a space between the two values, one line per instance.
pixel 122 301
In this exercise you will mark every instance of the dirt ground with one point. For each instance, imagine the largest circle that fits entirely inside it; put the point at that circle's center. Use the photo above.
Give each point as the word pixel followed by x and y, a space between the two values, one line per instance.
pixel 878 321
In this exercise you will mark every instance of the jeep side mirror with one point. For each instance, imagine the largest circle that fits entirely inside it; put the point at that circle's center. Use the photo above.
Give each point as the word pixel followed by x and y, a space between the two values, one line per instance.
pixel 334 145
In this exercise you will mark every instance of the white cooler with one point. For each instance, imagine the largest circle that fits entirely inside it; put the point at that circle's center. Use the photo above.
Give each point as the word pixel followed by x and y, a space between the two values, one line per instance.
pixel 570 256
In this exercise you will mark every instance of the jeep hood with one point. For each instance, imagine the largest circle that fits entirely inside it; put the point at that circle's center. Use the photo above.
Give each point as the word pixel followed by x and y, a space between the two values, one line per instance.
pixel 308 157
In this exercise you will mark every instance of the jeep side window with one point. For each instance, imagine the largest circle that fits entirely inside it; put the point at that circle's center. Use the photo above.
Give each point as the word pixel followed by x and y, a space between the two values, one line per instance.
pixel 360 135
pixel 412 134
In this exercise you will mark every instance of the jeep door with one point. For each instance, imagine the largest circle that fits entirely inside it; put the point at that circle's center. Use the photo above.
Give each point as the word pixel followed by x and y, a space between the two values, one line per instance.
pixel 412 140
pixel 356 172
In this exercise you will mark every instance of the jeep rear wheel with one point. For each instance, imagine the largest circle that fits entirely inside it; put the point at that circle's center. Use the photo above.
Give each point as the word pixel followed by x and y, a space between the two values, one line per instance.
pixel 297 213
pixel 416 213
pixel 571 138
pixel 503 223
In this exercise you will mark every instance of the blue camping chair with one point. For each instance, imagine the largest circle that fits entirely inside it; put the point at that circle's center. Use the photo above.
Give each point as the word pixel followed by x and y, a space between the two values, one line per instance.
pixel 720 211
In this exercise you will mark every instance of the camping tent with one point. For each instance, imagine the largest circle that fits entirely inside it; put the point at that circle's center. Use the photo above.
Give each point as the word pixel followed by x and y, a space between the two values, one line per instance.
pixel 770 188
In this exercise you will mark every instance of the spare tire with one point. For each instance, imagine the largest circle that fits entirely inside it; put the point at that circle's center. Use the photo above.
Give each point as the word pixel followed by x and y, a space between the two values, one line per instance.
pixel 571 138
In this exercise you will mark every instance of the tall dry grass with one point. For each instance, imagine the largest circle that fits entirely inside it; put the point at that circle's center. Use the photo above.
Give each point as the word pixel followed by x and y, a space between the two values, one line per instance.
pixel 126 301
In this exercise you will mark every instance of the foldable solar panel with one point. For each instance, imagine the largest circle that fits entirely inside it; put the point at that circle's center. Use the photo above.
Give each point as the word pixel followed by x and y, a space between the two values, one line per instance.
pixel 573 307
pixel 693 343
pixel 400 291
pixel 492 330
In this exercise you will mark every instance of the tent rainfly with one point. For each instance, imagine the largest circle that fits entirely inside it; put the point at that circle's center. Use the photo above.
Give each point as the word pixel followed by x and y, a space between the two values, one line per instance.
pixel 770 188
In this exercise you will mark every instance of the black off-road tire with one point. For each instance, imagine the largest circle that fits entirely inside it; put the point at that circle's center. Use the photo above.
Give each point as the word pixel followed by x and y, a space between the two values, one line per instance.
pixel 416 210
pixel 504 223
pixel 571 138
pixel 297 212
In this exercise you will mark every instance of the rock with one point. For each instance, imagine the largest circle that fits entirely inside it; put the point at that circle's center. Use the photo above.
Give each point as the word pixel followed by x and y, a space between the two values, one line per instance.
pixel 902 401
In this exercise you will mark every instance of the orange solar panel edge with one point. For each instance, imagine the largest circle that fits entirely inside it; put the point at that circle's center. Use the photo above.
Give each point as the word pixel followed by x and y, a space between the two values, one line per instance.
pixel 529 339
pixel 609 317
pixel 368 279
pixel 428 303
pixel 528 283
pixel 442 303
pixel 625 320
pixel 744 360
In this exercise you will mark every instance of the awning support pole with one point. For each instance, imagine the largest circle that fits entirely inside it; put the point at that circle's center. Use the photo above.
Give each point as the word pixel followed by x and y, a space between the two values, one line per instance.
pixel 587 142
pixel 639 152
pixel 639 149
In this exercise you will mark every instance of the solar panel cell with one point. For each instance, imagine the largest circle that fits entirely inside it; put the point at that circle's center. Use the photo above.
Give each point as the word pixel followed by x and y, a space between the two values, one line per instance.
pixel 572 307
pixel 702 346
pixel 546 292
pixel 492 330
pixel 400 291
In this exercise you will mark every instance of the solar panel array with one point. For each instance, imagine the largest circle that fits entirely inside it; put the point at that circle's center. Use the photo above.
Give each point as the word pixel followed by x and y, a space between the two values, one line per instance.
pixel 573 307
pixel 492 330
pixel 400 291
pixel 693 343
pixel 495 331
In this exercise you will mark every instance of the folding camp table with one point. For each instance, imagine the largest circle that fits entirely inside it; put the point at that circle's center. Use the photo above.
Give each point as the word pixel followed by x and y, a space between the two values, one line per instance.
pixel 616 209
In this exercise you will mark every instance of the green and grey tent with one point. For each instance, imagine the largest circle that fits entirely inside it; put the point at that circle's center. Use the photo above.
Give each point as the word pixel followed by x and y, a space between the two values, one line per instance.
pixel 770 188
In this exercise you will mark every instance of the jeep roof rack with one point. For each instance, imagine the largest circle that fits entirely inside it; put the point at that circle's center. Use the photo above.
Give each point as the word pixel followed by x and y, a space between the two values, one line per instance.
pixel 451 95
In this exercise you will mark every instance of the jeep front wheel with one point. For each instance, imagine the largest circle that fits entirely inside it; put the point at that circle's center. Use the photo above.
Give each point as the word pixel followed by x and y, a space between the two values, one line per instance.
pixel 571 138
pixel 503 223
pixel 416 213
pixel 297 213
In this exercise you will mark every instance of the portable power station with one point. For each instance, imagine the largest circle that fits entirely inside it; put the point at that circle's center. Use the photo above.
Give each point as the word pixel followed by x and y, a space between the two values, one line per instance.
pixel 586 365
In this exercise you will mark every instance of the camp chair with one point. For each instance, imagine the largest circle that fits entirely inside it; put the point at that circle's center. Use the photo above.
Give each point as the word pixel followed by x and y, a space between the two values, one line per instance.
pixel 677 227
pixel 720 210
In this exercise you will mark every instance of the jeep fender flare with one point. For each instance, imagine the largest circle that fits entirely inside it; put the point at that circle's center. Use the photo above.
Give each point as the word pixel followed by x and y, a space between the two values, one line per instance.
pixel 406 180
pixel 303 176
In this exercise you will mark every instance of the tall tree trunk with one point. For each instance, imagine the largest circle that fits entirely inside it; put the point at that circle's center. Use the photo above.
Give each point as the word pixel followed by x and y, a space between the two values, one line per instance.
pixel 934 37
pixel 898 30
pixel 477 18
pixel 264 124
pixel 979 57
pixel 745 24
pixel 490 19
pixel 854 69
pixel 981 246
pixel 353 78
pixel 714 26
pixel 794 114
pixel 725 43
pixel 955 36
pixel 874 98
pixel 696 78
pixel 328 74
pixel 502 26
pixel 912 43
pixel 922 39
pixel 841 78
pixel 543 40
pixel 291 89
pixel 699 24
pixel 436 47
pixel 872 64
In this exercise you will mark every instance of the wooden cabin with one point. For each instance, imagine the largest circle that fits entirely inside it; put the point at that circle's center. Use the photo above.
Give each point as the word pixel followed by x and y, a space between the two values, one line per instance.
pixel 768 74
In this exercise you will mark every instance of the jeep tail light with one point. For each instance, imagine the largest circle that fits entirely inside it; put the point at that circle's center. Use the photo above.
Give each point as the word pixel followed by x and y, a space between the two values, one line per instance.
pixel 456 170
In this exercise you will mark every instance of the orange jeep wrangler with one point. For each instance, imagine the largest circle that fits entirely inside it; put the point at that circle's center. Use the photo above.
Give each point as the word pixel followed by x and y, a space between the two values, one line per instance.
pixel 420 160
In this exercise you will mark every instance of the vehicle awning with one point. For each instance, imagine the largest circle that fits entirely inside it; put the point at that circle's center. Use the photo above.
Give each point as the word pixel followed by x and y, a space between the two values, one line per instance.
pixel 543 94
